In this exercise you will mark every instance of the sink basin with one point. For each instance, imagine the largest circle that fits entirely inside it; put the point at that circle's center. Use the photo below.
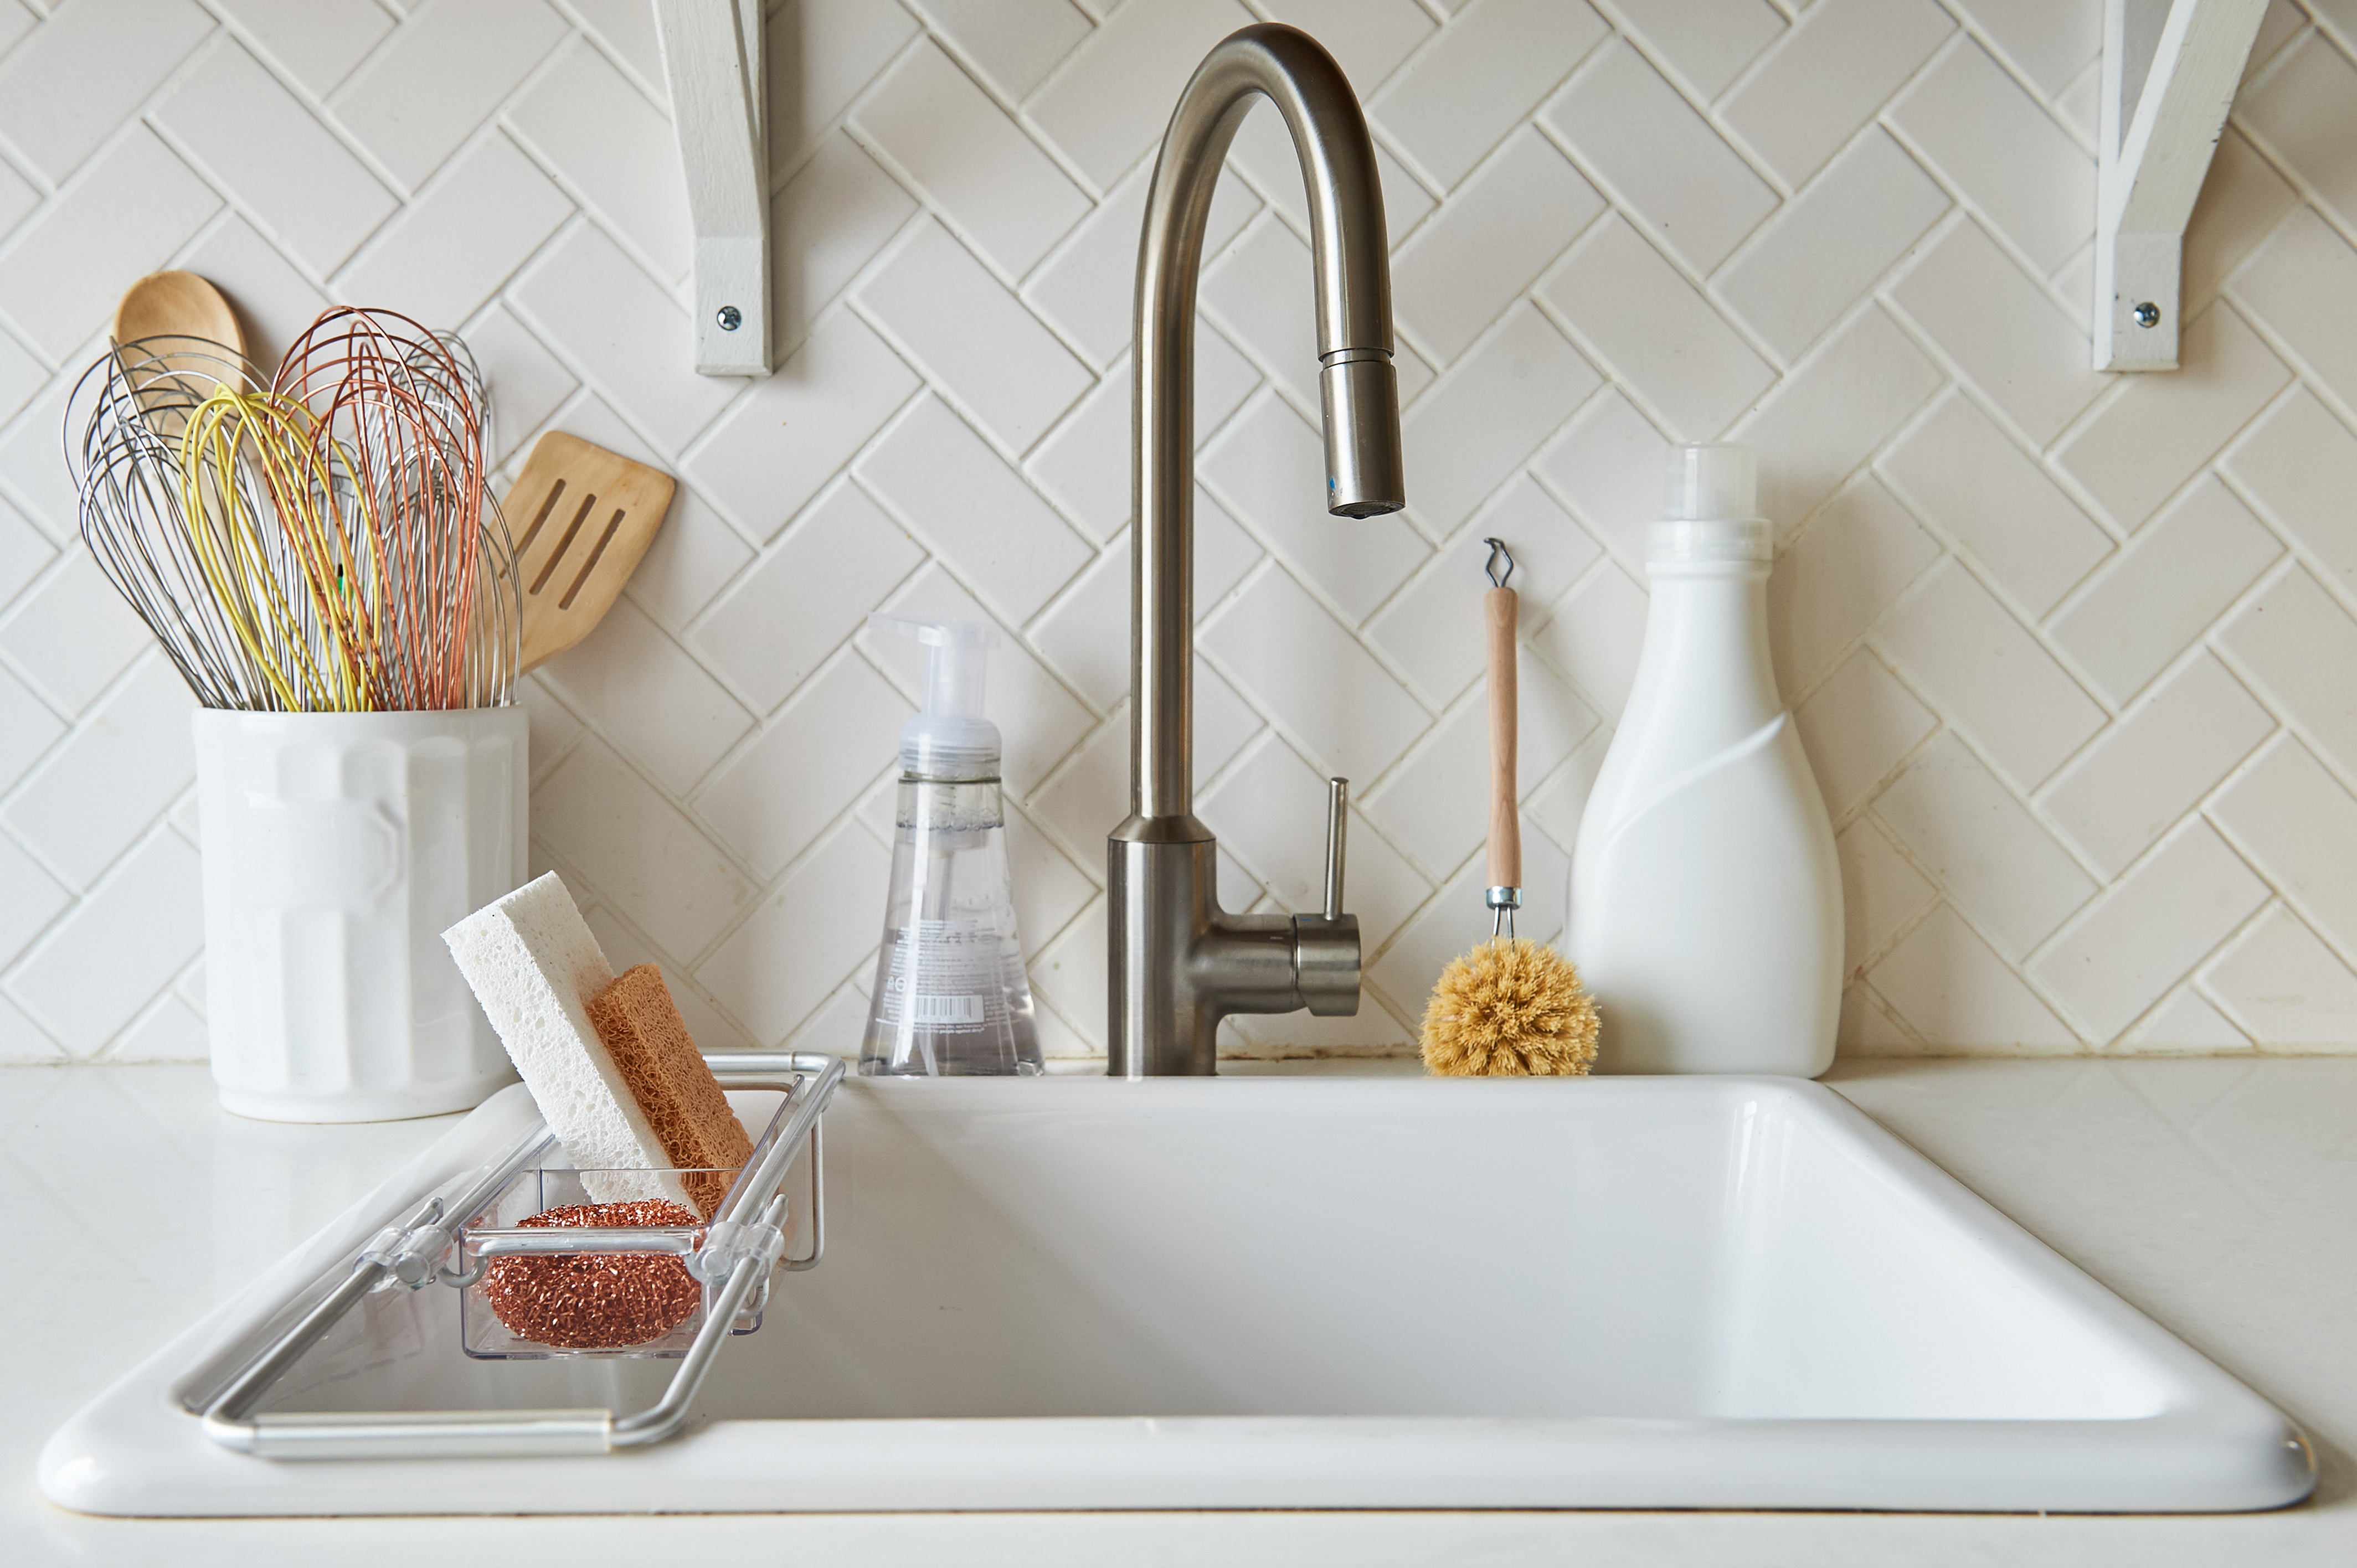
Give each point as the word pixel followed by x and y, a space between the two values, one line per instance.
pixel 1296 1292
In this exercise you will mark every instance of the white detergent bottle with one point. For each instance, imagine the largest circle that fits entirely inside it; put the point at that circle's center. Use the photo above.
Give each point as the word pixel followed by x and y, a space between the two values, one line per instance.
pixel 1705 899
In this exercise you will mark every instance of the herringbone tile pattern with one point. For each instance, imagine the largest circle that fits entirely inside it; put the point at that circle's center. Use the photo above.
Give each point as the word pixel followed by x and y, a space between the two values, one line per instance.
pixel 2075 656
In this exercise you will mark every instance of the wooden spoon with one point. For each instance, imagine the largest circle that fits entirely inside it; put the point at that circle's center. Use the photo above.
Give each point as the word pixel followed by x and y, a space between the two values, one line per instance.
pixel 175 305
pixel 582 516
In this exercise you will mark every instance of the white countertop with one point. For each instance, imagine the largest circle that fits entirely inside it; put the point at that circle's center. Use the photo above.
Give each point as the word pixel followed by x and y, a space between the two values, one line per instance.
pixel 2219 1195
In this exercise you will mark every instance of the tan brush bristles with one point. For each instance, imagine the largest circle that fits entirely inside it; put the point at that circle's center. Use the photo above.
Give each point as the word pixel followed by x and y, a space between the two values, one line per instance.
pixel 1511 1008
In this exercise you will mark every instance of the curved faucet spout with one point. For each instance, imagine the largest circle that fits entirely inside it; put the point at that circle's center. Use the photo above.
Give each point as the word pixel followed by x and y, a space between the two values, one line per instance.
pixel 1180 963
pixel 1358 386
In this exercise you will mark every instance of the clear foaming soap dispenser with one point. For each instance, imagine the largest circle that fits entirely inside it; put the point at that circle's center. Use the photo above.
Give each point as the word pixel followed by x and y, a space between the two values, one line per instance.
pixel 951 997
pixel 1705 898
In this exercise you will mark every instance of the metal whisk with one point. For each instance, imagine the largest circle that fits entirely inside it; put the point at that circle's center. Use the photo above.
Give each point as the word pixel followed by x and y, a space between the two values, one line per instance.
pixel 325 543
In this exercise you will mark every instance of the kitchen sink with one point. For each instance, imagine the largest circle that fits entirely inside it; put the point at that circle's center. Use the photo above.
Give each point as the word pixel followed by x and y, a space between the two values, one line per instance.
pixel 1291 1293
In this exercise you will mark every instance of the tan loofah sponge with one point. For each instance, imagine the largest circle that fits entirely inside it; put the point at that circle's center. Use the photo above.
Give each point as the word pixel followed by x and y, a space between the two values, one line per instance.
pixel 1510 1008
pixel 640 1028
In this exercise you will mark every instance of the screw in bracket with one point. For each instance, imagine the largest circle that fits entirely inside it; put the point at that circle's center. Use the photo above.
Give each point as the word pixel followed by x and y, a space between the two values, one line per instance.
pixel 730 317
pixel 2148 315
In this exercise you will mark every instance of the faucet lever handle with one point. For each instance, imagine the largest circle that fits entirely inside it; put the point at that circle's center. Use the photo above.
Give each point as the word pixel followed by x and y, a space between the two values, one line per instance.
pixel 1338 826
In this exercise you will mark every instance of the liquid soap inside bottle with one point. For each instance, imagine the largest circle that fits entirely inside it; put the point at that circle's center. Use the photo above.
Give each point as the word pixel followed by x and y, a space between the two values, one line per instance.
pixel 951 997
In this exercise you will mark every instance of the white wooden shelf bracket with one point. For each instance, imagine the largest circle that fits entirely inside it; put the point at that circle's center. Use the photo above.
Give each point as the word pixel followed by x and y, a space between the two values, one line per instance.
pixel 2171 68
pixel 713 61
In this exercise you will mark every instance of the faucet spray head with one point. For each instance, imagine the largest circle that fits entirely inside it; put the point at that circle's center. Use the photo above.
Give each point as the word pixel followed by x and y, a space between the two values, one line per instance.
pixel 1359 390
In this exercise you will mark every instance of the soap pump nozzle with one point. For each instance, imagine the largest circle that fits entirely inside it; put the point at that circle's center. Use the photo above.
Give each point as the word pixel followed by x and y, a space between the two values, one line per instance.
pixel 949 739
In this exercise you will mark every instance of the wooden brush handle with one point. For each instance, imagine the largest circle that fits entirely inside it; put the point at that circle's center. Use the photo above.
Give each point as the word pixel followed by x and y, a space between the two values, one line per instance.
pixel 1498 606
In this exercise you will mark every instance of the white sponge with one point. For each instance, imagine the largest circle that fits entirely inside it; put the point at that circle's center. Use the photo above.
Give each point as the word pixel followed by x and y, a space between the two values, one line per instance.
pixel 534 965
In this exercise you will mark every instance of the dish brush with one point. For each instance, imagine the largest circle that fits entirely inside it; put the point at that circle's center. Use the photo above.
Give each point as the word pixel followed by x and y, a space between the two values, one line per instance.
pixel 1511 1008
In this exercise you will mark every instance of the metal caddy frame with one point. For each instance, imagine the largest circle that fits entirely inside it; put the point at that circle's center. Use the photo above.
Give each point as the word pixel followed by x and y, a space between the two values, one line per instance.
pixel 732 1260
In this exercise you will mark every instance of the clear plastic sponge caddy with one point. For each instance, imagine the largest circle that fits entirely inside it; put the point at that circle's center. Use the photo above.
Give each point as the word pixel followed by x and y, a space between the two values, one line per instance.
pixel 951 997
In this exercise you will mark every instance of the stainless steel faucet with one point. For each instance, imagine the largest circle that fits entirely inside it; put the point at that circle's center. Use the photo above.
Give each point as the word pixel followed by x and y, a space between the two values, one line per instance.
pixel 1181 964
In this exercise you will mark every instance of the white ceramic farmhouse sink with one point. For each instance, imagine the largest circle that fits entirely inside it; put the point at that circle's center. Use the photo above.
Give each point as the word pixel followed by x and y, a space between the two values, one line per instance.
pixel 1303 1292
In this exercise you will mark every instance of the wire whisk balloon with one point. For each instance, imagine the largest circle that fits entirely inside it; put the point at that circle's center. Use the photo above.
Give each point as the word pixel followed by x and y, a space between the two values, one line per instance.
pixel 326 542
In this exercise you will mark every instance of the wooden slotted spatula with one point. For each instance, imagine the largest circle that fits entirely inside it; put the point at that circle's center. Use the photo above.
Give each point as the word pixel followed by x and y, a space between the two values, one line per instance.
pixel 584 516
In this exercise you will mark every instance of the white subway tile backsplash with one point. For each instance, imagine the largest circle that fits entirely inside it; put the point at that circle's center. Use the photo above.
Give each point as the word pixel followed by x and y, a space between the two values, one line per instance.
pixel 458 245
pixel 1475 424
pixel 2299 463
pixel 627 843
pixel 1967 477
pixel 1087 289
pixel 1881 892
pixel 1953 990
pixel 70 635
pixel 2303 283
pixel 811 763
pixel 315 42
pixel 2001 328
pixel 822 53
pixel 2157 763
pixel 1856 726
pixel 1011 44
pixel 444 71
pixel 1111 99
pixel 644 691
pixel 1706 42
pixel 2286 987
pixel 806 597
pixel 106 958
pixel 1303 667
pixel 69 84
pixel 29 899
pixel 121 768
pixel 259 144
pixel 1828 76
pixel 967 160
pixel 1831 243
pixel 1593 635
pixel 1996 861
pixel 1608 464
pixel 961 328
pixel 2002 152
pixel 826 223
pixel 2297 825
pixel 1703 214
pixel 1269 468
pixel 606 142
pixel 1694 194
pixel 1655 331
pixel 2149 928
pixel 1435 804
pixel 2172 580
pixel 783 441
pixel 625 333
pixel 1825 419
pixel 1466 89
pixel 956 495
pixel 2306 111
pixel 129 211
pixel 813 933
pixel 1497 232
pixel 1837 578
pixel 2145 444
pixel 1989 675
